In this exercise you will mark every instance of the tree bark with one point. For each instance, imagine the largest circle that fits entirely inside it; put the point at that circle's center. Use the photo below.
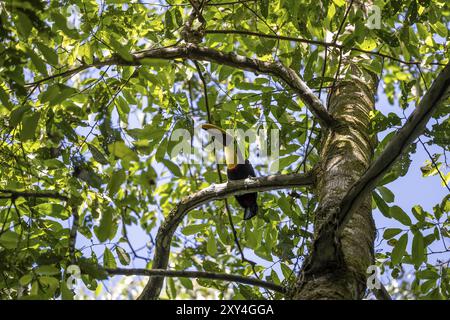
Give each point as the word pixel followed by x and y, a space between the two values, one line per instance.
pixel 336 267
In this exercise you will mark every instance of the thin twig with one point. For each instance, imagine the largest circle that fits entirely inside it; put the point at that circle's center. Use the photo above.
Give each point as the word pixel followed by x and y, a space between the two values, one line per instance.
pixel 343 21
pixel 435 164
pixel 205 90
pixel 197 274
pixel 7 216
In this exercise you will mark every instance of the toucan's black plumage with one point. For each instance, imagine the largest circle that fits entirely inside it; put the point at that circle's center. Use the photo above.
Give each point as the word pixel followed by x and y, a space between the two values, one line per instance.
pixel 237 171
pixel 248 200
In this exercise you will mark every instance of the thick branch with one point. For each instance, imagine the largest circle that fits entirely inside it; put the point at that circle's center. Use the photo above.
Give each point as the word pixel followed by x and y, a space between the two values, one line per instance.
pixel 414 126
pixel 194 52
pixel 213 192
pixel 316 42
pixel 28 194
pixel 198 274
pixel 73 233
pixel 382 293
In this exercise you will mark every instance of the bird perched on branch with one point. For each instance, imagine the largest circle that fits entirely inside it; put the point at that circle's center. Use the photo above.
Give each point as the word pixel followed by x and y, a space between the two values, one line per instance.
pixel 237 168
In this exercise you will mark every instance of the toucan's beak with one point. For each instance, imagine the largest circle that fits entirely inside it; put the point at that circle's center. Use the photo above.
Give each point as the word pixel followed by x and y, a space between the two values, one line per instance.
pixel 232 156
pixel 208 126
pixel 217 132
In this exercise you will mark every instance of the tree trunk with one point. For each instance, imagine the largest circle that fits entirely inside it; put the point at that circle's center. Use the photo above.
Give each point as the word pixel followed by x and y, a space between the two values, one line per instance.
pixel 338 264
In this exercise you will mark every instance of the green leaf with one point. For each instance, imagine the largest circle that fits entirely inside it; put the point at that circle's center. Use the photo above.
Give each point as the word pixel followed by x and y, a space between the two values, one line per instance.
pixel 105 230
pixel 117 178
pixel 389 38
pixel 92 268
pixel 398 214
pixel 387 194
pixel 399 250
pixel 108 259
pixel 427 285
pixel 309 67
pixel 50 94
pixel 252 238
pixel 29 126
pixel 440 28
pixel 375 66
pixel 37 62
pixel 4 99
pixel 264 7
pixel 16 115
pixel 287 272
pixel 418 213
pixel 427 274
pixel 178 17
pixel 88 175
pixel 285 205
pixel 123 256
pixel 172 291
pixel 121 151
pixel 47 270
pixel 211 246
pixel 384 208
pixel 172 167
pixel 263 253
pixel 97 154
pixel 9 239
pixel 187 283
pixel 23 24
pixel 149 76
pixel 248 116
pixel 120 49
pixel 274 277
pixel 60 94
pixel 161 150
pixel 50 284
pixel 287 161
pixel 54 210
pixel 193 228
pixel 61 24
pixel 26 279
pixel 48 53
pixel 390 233
pixel 339 3
pixel 168 22
pixel 368 44
pixel 66 293
pixel 225 72
pixel 123 109
pixel 418 249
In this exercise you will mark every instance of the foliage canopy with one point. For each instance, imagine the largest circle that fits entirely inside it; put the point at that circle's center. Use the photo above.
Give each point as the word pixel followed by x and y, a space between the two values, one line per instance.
pixel 85 145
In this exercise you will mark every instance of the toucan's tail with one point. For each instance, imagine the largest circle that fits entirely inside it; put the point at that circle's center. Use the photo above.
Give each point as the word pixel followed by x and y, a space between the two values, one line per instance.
pixel 250 212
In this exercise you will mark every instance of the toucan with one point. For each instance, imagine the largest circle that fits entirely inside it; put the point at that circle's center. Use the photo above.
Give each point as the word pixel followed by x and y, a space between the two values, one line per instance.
pixel 237 169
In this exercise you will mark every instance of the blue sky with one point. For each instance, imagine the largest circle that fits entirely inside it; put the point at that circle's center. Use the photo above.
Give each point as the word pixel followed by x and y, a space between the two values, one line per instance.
pixel 413 189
